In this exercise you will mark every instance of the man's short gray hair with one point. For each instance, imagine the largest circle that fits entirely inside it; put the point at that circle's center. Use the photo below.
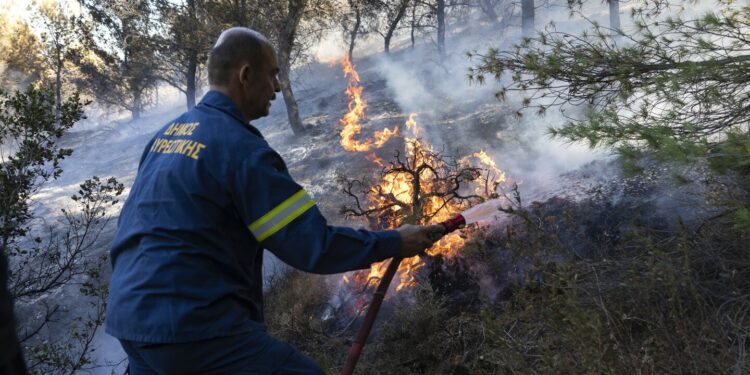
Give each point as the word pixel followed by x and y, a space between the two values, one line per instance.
pixel 234 47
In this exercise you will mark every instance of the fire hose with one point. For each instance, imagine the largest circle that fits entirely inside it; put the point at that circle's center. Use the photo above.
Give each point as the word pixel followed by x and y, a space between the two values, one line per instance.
pixel 377 300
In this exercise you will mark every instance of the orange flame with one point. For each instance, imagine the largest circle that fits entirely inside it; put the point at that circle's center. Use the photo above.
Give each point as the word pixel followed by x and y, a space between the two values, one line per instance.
pixel 493 175
pixel 351 121
pixel 400 185
pixel 376 160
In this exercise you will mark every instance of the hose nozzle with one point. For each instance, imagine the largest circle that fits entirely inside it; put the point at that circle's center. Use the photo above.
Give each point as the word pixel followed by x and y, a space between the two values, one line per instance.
pixel 450 225
pixel 454 223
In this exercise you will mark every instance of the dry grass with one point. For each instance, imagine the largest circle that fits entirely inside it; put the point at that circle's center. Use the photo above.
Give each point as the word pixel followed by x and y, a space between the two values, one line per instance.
pixel 652 301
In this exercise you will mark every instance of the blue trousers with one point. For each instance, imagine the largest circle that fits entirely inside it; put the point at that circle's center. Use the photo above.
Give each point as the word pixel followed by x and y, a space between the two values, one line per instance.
pixel 244 354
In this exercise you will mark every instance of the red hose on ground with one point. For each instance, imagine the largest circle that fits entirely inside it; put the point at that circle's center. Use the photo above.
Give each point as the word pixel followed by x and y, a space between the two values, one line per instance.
pixel 372 313
pixel 377 300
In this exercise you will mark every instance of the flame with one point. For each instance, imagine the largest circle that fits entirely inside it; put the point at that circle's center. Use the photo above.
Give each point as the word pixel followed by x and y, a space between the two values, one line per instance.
pixel 351 121
pixel 376 160
pixel 411 125
pixel 493 176
pixel 490 164
pixel 399 186
pixel 486 159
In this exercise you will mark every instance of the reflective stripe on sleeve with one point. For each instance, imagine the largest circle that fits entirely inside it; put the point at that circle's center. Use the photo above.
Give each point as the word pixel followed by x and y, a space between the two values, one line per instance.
pixel 281 215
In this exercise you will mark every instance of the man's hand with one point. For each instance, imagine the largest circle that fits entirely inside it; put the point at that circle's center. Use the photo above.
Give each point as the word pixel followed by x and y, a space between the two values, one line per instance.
pixel 415 239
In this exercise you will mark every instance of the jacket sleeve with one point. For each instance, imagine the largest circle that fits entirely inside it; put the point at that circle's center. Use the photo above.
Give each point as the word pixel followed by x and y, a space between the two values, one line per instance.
pixel 284 219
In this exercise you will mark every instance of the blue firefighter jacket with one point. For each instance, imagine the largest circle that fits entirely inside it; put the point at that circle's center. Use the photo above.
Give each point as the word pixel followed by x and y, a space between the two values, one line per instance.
pixel 209 196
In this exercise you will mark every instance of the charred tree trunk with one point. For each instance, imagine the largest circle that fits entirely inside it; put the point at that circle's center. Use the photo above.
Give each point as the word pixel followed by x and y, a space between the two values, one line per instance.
pixel 527 17
pixel 355 28
pixel 286 44
pixel 441 28
pixel 394 24
pixel 614 14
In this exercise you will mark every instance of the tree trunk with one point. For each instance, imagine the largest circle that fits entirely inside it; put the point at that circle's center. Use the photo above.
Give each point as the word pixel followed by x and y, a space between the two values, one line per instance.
pixel 286 44
pixel 527 17
pixel 192 67
pixel 241 6
pixel 394 24
pixel 413 22
pixel 488 8
pixel 14 365
pixel 58 83
pixel 190 76
pixel 137 105
pixel 355 28
pixel 292 109
pixel 441 28
pixel 614 14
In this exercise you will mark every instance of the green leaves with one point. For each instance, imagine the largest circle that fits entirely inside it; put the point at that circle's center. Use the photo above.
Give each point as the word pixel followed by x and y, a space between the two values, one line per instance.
pixel 675 88
pixel 733 154
pixel 742 218
pixel 30 126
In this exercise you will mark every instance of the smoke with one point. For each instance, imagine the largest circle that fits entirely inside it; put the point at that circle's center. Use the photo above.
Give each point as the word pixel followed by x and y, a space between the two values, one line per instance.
pixel 462 117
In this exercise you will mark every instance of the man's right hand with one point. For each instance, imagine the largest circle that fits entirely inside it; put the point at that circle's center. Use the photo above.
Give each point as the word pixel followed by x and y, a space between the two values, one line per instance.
pixel 415 239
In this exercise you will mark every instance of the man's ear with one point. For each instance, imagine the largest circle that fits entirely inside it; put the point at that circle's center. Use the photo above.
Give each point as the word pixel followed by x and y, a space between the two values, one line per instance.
pixel 245 73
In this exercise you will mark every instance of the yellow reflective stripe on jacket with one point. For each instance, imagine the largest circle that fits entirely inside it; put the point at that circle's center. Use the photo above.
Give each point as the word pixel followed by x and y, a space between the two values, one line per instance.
pixel 281 215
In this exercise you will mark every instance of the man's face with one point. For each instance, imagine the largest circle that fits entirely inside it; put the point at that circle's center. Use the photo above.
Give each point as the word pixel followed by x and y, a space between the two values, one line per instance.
pixel 261 85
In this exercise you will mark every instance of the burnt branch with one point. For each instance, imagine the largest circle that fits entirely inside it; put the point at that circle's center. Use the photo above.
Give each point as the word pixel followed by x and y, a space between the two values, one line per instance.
pixel 418 185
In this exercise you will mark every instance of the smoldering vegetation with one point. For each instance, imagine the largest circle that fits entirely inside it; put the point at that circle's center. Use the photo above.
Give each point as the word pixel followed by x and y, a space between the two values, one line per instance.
pixel 618 274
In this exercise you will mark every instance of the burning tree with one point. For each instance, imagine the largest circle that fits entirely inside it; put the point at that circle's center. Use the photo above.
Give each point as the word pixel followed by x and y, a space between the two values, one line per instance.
pixel 420 186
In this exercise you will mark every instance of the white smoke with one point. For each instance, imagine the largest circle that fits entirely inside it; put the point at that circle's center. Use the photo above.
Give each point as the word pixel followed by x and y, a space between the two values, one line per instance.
pixel 450 106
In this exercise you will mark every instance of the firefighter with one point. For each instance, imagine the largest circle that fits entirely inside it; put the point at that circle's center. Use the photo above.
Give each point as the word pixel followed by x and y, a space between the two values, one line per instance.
pixel 210 195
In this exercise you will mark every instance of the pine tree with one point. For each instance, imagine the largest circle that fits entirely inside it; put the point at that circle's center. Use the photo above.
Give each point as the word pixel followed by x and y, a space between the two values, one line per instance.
pixel 294 27
pixel 286 37
pixel 187 34
pixel 354 22
pixel 20 54
pixel 125 71
pixel 677 88
pixel 392 12
pixel 60 39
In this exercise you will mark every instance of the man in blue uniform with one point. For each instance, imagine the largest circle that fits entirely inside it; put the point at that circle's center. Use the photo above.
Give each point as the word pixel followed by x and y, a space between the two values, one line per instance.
pixel 210 195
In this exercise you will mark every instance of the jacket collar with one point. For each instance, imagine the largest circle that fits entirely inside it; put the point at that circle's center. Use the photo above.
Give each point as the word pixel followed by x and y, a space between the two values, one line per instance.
pixel 217 100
